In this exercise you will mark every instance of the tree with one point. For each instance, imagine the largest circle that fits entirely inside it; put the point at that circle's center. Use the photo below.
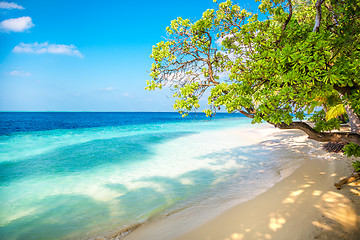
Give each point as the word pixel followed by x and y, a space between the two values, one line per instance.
pixel 303 56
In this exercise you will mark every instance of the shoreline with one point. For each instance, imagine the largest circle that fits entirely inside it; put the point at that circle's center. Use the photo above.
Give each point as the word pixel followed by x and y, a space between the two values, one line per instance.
pixel 304 204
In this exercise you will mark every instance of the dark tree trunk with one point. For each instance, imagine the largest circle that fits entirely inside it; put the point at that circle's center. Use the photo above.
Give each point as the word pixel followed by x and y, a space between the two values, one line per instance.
pixel 345 137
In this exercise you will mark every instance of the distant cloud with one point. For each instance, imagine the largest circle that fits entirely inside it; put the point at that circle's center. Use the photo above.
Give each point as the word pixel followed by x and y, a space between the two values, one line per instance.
pixel 20 73
pixel 7 5
pixel 42 48
pixel 16 24
pixel 108 89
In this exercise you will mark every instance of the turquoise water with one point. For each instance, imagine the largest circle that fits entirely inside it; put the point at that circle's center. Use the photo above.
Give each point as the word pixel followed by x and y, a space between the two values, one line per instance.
pixel 91 180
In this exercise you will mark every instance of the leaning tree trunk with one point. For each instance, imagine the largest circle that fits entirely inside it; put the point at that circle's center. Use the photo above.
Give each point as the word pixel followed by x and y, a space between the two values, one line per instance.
pixel 345 137
pixel 353 119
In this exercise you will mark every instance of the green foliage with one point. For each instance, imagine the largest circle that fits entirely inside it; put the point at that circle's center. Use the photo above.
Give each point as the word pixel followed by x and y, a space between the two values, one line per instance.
pixel 332 124
pixel 273 70
pixel 186 101
pixel 321 124
pixel 352 149
pixel 152 85
pixel 318 116
pixel 161 51
pixel 208 112
pixel 356 166
pixel 354 100
pixel 300 115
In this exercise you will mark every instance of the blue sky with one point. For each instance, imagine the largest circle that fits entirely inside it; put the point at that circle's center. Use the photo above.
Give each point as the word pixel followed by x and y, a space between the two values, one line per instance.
pixel 73 55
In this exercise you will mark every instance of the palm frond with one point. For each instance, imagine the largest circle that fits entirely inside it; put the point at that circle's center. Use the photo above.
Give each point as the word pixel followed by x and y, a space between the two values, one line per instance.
pixel 335 111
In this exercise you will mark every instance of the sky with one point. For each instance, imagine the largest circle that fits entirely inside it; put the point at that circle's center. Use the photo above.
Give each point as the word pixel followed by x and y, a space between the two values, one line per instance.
pixel 77 55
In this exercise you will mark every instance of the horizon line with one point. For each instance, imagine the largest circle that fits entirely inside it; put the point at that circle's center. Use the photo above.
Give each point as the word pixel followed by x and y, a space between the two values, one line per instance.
pixel 104 112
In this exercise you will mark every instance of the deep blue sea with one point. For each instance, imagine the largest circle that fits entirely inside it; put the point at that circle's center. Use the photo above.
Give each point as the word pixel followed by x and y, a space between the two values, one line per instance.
pixel 76 175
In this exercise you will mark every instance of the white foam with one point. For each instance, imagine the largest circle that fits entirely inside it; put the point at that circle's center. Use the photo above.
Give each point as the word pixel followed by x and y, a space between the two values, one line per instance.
pixel 22 145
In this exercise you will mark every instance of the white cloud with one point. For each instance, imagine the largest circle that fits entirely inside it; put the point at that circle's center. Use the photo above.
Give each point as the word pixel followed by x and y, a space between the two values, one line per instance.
pixel 20 73
pixel 42 48
pixel 7 5
pixel 108 89
pixel 16 24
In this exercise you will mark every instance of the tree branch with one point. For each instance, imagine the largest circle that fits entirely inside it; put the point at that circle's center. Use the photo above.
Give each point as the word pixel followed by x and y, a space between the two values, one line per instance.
pixel 289 16
pixel 346 137
pixel 318 15
pixel 246 114
pixel 354 176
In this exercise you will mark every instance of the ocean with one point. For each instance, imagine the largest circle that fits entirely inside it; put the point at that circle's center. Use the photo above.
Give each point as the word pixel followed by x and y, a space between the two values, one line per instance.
pixel 84 175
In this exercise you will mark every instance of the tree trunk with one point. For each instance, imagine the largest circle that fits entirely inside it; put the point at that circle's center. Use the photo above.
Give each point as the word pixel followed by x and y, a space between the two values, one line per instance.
pixel 351 178
pixel 353 119
pixel 345 137
pixel 318 15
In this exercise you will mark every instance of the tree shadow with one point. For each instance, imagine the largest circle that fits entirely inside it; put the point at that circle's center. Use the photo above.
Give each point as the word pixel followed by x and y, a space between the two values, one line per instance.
pixel 326 214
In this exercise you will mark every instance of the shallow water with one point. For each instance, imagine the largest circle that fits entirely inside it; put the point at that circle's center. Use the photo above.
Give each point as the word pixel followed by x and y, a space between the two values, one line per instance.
pixel 73 175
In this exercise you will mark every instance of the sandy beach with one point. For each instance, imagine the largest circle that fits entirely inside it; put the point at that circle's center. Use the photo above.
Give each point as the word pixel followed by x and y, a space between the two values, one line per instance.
pixel 303 205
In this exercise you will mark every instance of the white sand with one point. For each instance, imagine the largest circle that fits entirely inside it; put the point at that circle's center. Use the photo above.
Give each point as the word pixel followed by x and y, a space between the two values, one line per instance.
pixel 304 205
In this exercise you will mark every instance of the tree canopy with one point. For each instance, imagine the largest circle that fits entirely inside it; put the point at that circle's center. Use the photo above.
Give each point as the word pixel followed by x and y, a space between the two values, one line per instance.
pixel 288 67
